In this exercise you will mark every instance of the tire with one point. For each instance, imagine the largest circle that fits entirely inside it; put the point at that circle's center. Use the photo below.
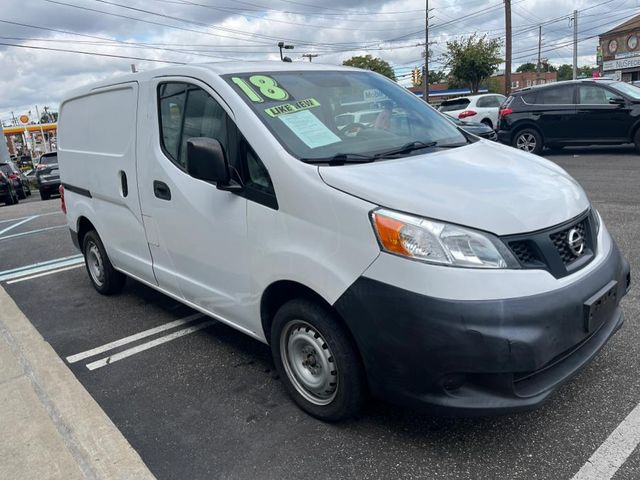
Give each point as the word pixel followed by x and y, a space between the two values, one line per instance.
pixel 9 199
pixel 22 194
pixel 331 388
pixel 104 278
pixel 636 140
pixel 528 140
pixel 44 195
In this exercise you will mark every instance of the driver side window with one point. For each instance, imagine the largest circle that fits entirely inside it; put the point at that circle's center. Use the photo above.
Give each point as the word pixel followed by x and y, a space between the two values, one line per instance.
pixel 187 111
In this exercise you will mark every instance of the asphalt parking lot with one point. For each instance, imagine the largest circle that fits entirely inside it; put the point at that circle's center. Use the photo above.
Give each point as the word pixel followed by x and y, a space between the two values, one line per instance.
pixel 199 400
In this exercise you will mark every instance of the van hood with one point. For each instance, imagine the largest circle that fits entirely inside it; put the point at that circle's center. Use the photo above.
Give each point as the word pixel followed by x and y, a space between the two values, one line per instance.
pixel 484 185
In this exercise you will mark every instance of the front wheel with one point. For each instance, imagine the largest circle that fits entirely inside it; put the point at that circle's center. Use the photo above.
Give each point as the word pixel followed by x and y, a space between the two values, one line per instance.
pixel 318 361
pixel 105 279
pixel 528 140
pixel 44 195
pixel 636 140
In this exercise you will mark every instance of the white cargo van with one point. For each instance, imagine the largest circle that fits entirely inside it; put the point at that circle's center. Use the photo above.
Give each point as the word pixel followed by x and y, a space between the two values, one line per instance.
pixel 413 261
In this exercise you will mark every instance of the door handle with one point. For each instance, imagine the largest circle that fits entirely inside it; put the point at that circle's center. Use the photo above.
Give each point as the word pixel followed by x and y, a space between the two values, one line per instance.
pixel 161 190
pixel 124 184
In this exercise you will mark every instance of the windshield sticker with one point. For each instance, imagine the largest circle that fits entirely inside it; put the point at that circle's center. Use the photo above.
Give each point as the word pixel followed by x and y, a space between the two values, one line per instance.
pixel 292 107
pixel 268 87
pixel 308 128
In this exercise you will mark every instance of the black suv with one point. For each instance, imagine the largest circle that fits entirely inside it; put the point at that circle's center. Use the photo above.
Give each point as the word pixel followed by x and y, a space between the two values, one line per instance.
pixel 19 179
pixel 8 193
pixel 47 175
pixel 576 112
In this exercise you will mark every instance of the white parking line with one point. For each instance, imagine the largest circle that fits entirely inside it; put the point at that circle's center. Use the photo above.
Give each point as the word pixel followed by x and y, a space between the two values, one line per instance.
pixel 40 267
pixel 43 274
pixel 11 227
pixel 615 450
pixel 31 232
pixel 35 216
pixel 103 362
pixel 132 338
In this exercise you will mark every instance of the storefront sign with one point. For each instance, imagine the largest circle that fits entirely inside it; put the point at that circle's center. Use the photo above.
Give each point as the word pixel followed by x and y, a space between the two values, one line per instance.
pixel 622 63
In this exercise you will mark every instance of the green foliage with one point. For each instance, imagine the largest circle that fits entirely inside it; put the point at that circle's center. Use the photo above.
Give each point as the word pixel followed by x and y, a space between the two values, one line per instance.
pixel 526 67
pixel 565 71
pixel 374 64
pixel 473 59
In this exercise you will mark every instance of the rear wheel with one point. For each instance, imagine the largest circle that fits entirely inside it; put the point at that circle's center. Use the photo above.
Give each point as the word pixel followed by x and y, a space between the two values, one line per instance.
pixel 44 195
pixel 105 279
pixel 487 122
pixel 318 361
pixel 528 140
pixel 21 193
pixel 636 140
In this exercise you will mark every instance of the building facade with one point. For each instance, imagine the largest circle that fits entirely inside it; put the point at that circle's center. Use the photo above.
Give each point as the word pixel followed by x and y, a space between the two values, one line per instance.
pixel 619 51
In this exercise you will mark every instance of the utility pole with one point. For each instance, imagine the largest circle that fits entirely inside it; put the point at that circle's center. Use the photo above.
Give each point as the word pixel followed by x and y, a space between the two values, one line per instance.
pixel 539 48
pixel 310 56
pixel 575 44
pixel 15 122
pixel 507 60
pixel 425 75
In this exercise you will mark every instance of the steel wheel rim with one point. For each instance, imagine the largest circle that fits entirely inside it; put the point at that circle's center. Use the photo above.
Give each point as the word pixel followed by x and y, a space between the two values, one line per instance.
pixel 526 142
pixel 94 264
pixel 308 362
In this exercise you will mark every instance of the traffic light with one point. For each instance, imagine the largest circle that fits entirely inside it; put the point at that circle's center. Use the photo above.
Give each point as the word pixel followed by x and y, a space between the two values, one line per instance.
pixel 414 76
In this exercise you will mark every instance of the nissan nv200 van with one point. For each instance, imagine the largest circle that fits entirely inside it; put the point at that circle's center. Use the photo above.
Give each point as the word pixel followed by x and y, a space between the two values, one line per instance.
pixel 411 261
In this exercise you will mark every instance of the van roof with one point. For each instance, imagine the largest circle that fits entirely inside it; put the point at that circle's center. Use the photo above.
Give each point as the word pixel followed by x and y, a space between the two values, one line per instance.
pixel 217 68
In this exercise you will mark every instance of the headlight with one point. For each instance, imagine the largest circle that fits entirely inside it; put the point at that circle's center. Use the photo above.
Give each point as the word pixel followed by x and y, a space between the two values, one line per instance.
pixel 440 243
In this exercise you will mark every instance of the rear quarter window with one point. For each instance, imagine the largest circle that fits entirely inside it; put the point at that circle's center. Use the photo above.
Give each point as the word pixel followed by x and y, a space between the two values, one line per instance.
pixel 530 97
pixel 452 105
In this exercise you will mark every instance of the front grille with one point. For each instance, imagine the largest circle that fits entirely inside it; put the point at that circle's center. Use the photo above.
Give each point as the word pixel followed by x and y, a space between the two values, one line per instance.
pixel 561 242
pixel 549 249
pixel 523 252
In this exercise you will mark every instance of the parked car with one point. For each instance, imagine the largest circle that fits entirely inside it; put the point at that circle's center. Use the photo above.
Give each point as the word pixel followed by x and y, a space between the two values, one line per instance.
pixel 19 179
pixel 476 128
pixel 475 108
pixel 8 193
pixel 416 262
pixel 575 112
pixel 47 175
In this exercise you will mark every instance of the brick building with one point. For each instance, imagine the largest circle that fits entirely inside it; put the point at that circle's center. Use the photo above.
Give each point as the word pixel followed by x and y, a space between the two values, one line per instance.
pixel 520 80
pixel 619 51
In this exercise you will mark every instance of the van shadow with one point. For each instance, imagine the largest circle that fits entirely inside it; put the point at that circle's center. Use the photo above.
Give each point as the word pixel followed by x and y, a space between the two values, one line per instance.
pixel 253 370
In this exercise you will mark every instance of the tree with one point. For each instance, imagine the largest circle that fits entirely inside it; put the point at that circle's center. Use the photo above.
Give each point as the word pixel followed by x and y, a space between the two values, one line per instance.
pixel 473 59
pixel 565 71
pixel 526 67
pixel 374 64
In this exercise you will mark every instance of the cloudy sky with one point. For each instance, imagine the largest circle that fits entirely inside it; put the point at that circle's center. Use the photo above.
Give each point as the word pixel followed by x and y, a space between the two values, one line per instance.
pixel 152 31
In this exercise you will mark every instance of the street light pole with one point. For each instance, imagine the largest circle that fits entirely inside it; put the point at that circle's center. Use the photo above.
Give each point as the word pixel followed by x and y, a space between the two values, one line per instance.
pixel 425 75
pixel 282 45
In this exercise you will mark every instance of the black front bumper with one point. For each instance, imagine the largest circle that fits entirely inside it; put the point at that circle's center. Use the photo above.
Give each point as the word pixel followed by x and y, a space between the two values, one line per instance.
pixel 478 357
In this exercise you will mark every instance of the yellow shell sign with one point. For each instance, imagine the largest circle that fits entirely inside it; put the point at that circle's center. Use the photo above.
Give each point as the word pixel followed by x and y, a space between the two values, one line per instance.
pixel 24 119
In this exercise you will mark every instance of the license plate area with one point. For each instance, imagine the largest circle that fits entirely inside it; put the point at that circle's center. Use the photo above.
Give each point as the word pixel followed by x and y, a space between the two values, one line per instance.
pixel 600 306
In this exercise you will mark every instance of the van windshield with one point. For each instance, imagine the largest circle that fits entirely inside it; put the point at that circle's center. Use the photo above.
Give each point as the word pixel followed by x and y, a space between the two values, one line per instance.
pixel 320 114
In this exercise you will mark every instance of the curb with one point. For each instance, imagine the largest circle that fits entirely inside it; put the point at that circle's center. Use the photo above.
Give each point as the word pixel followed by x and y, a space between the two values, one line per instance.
pixel 92 441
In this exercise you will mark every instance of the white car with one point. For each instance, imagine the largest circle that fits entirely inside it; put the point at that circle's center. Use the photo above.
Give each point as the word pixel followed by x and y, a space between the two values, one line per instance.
pixel 413 261
pixel 475 108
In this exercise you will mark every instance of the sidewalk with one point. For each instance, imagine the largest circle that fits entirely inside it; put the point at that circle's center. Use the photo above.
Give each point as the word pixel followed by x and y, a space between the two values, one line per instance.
pixel 50 427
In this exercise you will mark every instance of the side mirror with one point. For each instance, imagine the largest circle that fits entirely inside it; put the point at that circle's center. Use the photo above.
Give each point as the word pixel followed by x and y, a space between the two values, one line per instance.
pixel 206 160
pixel 617 101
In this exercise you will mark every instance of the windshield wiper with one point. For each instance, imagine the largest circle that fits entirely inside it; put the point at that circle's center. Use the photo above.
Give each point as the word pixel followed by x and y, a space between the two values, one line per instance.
pixel 341 159
pixel 406 148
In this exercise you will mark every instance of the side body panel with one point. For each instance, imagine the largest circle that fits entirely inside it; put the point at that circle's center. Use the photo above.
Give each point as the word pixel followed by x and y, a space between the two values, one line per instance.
pixel 97 156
